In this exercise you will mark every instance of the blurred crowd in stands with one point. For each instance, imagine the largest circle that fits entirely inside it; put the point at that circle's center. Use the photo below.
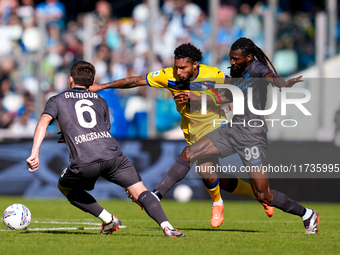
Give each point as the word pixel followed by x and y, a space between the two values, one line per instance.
pixel 121 47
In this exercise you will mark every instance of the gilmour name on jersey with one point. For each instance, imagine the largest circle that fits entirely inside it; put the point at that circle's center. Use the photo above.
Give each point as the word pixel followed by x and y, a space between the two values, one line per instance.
pixel 81 95
pixel 92 136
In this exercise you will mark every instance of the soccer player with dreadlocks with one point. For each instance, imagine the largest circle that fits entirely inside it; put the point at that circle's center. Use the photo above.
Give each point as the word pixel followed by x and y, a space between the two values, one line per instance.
pixel 178 79
pixel 249 68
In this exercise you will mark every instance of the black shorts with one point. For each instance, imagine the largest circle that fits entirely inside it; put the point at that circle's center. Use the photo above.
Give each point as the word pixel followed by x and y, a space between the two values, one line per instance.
pixel 252 147
pixel 118 170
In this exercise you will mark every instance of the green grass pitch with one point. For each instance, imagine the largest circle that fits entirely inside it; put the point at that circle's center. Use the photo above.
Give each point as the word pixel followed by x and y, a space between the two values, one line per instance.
pixel 59 228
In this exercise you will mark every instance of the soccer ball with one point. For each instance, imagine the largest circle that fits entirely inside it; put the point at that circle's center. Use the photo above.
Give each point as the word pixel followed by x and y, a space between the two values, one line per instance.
pixel 183 193
pixel 17 217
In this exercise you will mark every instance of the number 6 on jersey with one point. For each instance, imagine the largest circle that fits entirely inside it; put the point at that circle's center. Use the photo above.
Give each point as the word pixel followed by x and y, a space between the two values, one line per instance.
pixel 80 109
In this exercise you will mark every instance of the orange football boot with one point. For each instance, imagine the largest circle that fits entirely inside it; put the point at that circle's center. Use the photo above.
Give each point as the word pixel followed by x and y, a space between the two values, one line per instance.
pixel 217 216
pixel 268 209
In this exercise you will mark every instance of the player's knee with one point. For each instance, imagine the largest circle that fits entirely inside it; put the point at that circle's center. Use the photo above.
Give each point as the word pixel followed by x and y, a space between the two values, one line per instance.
pixel 185 154
pixel 209 181
pixel 136 189
pixel 64 190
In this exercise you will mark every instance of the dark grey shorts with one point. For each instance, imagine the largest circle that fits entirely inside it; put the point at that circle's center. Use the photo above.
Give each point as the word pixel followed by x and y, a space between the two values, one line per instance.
pixel 251 147
pixel 118 170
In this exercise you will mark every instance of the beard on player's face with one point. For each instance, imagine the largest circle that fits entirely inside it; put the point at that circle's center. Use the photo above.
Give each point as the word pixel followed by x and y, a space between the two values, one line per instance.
pixel 239 62
pixel 185 77
pixel 236 71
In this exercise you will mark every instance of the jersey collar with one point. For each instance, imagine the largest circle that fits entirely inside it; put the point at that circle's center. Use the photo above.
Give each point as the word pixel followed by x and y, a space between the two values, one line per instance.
pixel 78 89
pixel 198 71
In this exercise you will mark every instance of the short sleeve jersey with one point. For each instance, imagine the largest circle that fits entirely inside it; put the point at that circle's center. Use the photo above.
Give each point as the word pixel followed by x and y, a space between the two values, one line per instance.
pixel 252 77
pixel 84 120
pixel 193 123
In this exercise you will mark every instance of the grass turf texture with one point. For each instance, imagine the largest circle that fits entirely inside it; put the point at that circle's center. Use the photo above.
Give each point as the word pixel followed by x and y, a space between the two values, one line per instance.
pixel 246 230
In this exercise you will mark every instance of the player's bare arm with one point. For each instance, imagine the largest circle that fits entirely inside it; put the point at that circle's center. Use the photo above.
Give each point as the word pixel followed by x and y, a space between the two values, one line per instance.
pixel 184 97
pixel 125 83
pixel 39 135
pixel 279 82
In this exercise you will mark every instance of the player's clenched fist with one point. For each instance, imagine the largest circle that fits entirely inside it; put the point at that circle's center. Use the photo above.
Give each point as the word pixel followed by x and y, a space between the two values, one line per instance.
pixel 33 163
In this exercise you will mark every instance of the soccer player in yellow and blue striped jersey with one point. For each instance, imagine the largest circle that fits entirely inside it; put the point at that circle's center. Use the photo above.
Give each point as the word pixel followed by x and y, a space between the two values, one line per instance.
pixel 177 79
pixel 192 122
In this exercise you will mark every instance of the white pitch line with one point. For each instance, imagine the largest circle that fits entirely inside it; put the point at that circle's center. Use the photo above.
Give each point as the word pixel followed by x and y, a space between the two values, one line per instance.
pixel 66 222
pixel 74 223
pixel 68 228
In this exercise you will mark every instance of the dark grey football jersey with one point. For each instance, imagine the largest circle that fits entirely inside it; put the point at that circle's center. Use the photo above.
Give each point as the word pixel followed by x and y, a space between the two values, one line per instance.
pixel 252 77
pixel 84 120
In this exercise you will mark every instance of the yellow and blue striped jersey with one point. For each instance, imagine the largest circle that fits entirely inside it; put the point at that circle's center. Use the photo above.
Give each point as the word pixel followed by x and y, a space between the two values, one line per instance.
pixel 194 125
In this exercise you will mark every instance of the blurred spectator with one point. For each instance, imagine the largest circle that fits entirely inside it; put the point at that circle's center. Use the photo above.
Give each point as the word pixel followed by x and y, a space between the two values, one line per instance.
pixel 11 101
pixel 250 23
pixel 5 118
pixel 104 9
pixel 28 105
pixel 295 42
pixel 187 12
pixel 53 11
pixel 72 40
pixel 136 112
pixel 113 34
pixel 101 63
pixel 31 39
pixel 228 31
pixel 181 13
pixel 26 12
pixel 7 8
pixel 23 126
pixel 119 66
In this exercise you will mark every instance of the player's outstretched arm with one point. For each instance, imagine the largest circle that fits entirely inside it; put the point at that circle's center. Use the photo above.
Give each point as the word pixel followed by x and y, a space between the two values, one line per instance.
pixel 279 82
pixel 291 82
pixel 39 135
pixel 184 97
pixel 125 83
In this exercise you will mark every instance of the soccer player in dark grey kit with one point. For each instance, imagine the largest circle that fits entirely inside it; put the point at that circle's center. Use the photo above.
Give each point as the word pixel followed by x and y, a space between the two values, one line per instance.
pixel 83 118
pixel 249 68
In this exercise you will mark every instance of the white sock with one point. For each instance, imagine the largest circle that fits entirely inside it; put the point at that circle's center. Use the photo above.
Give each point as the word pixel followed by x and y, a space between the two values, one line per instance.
pixel 165 224
pixel 105 216
pixel 219 202
pixel 307 214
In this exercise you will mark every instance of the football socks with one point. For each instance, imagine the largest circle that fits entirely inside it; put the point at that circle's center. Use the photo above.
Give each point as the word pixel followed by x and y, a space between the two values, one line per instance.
pixel 176 173
pixel 235 185
pixel 214 190
pixel 284 203
pixel 84 201
pixel 152 207
pixel 105 216
pixel 243 188
pixel 166 224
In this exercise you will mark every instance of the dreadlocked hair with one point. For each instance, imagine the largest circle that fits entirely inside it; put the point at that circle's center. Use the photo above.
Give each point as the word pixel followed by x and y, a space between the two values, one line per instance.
pixel 187 50
pixel 249 47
